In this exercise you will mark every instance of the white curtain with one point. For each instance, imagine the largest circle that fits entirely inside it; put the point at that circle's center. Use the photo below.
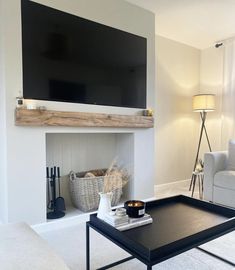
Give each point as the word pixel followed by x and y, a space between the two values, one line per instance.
pixel 228 95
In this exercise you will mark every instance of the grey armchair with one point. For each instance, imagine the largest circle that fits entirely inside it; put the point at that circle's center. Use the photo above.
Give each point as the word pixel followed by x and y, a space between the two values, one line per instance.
pixel 219 182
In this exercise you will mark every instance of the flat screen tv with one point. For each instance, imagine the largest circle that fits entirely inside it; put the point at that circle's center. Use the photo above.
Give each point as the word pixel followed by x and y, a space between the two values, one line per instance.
pixel 71 59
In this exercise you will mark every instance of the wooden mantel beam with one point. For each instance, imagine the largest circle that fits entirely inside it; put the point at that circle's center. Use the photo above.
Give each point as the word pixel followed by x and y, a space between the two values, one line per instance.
pixel 24 117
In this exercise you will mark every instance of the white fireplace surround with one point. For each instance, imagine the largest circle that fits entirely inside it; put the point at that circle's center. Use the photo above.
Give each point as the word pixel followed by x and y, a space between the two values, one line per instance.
pixel 27 178
pixel 41 147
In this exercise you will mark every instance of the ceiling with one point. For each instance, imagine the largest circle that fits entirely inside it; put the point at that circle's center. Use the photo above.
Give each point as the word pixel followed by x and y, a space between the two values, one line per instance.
pixel 198 23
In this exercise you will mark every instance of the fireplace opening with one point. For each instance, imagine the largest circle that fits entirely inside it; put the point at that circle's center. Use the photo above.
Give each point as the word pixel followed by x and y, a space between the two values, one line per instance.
pixel 84 152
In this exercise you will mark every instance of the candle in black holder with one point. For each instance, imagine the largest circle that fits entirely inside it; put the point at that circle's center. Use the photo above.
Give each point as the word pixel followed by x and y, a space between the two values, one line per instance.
pixel 135 209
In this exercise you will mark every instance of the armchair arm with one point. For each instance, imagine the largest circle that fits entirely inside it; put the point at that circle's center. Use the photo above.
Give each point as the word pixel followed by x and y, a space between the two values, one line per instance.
pixel 213 162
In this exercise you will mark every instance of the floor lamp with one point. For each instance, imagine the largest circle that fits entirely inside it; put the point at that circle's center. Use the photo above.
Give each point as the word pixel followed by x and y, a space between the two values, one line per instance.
pixel 202 103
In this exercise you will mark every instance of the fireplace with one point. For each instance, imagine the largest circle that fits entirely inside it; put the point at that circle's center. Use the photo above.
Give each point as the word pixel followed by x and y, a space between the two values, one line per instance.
pixel 23 155
pixel 66 147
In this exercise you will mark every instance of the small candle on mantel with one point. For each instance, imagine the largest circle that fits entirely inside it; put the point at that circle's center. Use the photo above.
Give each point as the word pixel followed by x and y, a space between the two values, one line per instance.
pixel 30 104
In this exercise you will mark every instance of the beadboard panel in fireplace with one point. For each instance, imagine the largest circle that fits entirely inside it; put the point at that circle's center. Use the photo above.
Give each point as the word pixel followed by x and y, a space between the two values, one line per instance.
pixel 84 151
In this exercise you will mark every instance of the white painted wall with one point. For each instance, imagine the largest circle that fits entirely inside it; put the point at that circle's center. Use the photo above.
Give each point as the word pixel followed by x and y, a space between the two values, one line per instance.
pixel 3 190
pixel 177 80
pixel 25 148
pixel 211 81
pixel 183 71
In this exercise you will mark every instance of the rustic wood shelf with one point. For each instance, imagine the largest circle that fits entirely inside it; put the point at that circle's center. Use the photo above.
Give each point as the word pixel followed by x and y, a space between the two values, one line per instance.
pixel 24 117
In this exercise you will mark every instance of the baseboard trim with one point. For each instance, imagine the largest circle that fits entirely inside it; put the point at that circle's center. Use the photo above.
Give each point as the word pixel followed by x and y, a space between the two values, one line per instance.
pixel 171 183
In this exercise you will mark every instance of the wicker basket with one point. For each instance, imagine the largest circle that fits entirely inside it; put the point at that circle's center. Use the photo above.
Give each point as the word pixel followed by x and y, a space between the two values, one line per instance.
pixel 85 191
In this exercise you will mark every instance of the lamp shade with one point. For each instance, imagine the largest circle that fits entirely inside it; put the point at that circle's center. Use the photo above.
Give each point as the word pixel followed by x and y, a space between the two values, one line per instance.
pixel 204 102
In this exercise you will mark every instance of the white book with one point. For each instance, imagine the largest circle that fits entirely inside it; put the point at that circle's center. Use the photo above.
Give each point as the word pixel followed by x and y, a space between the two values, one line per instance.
pixel 116 225
pixel 116 220
pixel 134 220
pixel 134 225
pixel 123 223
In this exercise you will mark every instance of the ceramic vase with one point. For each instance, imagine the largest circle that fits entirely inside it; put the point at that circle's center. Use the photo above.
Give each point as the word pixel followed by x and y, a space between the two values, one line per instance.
pixel 104 204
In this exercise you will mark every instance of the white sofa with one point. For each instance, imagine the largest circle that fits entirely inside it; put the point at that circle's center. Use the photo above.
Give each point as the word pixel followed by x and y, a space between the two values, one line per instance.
pixel 23 249
pixel 219 180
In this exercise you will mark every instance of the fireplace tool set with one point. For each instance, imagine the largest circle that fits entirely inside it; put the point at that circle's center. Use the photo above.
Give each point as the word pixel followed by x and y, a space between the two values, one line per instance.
pixel 56 204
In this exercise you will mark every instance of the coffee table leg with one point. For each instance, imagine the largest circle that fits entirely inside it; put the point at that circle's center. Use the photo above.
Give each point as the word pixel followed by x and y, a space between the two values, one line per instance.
pixel 87 247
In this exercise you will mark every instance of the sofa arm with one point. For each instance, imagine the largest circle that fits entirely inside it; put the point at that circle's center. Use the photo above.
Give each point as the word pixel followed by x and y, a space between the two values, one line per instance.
pixel 213 162
pixel 22 248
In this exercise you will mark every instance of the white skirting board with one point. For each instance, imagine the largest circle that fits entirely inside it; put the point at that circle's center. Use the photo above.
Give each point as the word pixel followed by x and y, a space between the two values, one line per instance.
pixel 170 184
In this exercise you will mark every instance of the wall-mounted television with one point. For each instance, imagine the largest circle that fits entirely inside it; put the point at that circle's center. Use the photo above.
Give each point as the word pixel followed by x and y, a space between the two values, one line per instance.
pixel 71 59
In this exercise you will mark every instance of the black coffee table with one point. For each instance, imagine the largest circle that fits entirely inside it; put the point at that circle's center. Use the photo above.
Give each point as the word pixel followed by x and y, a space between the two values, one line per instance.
pixel 179 224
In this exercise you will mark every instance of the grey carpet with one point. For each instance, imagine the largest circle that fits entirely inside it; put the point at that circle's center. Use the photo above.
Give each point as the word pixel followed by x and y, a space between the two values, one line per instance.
pixel 223 247
pixel 70 243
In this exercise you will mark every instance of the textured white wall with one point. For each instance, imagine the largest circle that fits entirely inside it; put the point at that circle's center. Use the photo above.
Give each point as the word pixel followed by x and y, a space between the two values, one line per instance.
pixel 177 80
pixel 26 153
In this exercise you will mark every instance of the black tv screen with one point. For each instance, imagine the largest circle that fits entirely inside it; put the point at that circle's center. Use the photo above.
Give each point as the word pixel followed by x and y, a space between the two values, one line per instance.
pixel 72 59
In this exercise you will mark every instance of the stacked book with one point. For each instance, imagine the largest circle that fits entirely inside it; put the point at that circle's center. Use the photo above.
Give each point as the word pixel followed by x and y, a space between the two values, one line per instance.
pixel 123 223
pixel 116 221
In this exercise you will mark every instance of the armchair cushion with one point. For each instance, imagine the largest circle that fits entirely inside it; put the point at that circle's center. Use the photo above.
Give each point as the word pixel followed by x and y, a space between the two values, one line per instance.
pixel 225 179
pixel 214 162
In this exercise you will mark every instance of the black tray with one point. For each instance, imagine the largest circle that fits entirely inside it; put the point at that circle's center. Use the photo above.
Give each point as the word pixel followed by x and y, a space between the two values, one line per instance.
pixel 179 223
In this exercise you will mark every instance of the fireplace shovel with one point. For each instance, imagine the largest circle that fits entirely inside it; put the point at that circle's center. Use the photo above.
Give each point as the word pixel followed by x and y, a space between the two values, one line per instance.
pixel 59 202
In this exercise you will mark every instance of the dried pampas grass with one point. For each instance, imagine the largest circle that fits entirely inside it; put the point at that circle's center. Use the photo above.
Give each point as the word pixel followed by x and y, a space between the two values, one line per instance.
pixel 115 177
